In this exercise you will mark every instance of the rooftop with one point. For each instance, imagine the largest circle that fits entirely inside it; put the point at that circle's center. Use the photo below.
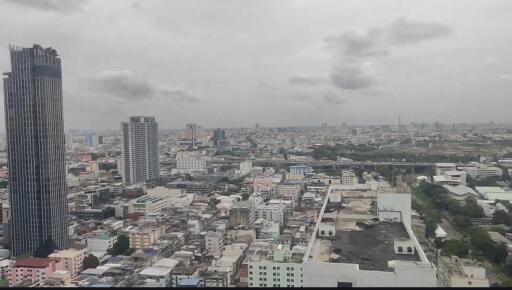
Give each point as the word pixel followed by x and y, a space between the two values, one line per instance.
pixel 371 247
pixel 33 262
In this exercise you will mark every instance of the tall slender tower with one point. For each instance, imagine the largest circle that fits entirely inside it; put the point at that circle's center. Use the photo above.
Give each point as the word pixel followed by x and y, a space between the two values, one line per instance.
pixel 36 149
pixel 140 150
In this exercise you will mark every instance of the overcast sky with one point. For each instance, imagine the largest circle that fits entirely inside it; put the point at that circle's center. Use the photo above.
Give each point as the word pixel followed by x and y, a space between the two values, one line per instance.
pixel 233 63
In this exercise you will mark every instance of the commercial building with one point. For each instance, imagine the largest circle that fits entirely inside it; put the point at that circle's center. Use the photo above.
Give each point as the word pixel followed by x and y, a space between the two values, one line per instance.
pixel 481 170
pixel 36 149
pixel 301 169
pixel 140 150
pixel 219 137
pixel 367 242
pixel 149 203
pixel 189 163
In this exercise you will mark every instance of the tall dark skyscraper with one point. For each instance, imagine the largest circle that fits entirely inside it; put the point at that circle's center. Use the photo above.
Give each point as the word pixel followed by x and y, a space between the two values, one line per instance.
pixel 36 149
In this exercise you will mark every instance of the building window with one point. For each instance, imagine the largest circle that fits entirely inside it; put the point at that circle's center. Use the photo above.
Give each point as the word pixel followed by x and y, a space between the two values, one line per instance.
pixel 409 249
pixel 400 249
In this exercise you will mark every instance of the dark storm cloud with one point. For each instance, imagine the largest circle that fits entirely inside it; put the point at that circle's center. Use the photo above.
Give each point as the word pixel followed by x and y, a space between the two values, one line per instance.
pixel 302 79
pixel 53 5
pixel 127 85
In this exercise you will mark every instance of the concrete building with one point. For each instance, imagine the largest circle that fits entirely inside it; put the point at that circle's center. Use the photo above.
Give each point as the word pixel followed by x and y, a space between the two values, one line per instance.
pixel 149 203
pixel 34 270
pixel 140 150
pixel 441 168
pixel 364 252
pixel 72 259
pixel 271 212
pixel 214 243
pixel 245 167
pixel 477 170
pixel 189 163
pixel 219 137
pixel 241 215
pixel 99 243
pixel 277 266
pixel 35 149
pixel 452 178
pixel 457 272
pixel 349 177
pixel 301 169
pixel 143 237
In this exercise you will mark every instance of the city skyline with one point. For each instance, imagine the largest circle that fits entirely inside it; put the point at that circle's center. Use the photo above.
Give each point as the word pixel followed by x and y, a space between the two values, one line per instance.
pixel 352 64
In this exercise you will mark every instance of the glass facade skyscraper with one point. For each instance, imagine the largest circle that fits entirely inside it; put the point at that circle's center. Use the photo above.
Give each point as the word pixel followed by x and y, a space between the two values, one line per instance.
pixel 36 149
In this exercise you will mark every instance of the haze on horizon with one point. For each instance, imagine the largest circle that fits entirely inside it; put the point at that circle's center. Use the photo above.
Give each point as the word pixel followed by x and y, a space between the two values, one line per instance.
pixel 229 63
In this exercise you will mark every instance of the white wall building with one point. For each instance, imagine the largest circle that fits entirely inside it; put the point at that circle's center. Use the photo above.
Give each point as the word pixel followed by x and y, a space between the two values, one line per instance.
pixel 365 253
pixel 140 150
pixel 214 243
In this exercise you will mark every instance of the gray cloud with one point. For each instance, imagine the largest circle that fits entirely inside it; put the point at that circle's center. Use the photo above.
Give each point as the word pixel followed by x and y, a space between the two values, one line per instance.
pixel 122 84
pixel 404 31
pixel 353 44
pixel 52 5
pixel 179 95
pixel 303 79
pixel 127 85
pixel 352 50
pixel 353 76
pixel 333 98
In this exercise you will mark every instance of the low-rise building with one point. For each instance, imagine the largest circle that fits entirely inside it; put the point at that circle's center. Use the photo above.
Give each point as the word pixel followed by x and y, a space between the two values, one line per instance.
pixel 33 270
pixel 72 260
pixel 214 243
pixel 276 266
pixel 457 272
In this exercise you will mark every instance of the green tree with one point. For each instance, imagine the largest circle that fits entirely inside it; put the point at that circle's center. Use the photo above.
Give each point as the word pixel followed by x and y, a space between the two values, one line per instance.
pixel 91 262
pixel 462 222
pixel 430 227
pixel 120 247
pixel 501 217
pixel 498 253
pixel 458 248
pixel 472 209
